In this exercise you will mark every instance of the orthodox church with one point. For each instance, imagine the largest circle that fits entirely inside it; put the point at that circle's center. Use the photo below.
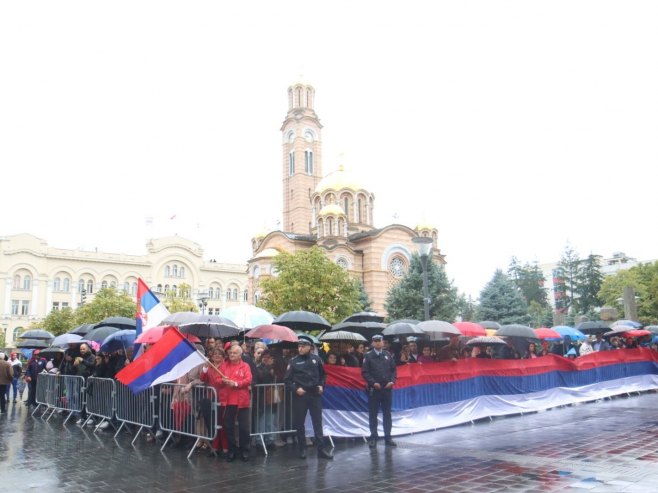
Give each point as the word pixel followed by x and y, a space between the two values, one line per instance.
pixel 334 212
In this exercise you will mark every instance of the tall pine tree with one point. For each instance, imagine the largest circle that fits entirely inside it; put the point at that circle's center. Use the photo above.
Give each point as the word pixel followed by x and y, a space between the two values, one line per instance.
pixel 502 302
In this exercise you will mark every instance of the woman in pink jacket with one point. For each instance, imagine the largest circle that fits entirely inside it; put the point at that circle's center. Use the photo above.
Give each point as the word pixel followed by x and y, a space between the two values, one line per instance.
pixel 236 387
pixel 217 356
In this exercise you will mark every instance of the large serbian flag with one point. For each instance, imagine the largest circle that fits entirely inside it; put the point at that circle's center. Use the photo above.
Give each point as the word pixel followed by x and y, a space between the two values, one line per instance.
pixel 150 310
pixel 168 359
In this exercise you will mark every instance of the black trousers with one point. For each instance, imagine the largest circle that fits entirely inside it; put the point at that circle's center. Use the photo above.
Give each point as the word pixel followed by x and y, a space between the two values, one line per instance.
pixel 32 392
pixel 242 415
pixel 300 406
pixel 380 399
pixel 3 395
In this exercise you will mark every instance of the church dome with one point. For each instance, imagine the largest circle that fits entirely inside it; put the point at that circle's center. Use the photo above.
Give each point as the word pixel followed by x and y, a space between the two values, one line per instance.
pixel 339 180
pixel 332 210
pixel 268 253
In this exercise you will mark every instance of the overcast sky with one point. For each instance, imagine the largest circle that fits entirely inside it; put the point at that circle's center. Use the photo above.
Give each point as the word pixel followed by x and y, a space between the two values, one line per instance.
pixel 515 127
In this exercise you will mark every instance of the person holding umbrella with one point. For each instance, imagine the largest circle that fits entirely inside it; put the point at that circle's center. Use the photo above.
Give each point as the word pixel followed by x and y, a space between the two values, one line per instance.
pixel 379 371
pixel 305 378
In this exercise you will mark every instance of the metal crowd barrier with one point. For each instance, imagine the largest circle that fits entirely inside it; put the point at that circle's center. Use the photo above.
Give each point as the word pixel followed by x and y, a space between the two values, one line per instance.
pixel 271 406
pixel 101 393
pixel 63 393
pixel 45 388
pixel 136 409
pixel 188 411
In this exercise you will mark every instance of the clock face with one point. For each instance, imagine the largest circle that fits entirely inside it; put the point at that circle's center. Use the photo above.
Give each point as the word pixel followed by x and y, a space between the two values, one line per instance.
pixel 308 136
pixel 298 116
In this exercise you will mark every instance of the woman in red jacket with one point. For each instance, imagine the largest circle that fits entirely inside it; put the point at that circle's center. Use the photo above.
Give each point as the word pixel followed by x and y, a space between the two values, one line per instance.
pixel 236 387
pixel 217 356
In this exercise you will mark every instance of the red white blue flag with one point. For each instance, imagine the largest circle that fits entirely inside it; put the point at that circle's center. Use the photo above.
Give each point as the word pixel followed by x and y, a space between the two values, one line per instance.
pixel 168 359
pixel 150 310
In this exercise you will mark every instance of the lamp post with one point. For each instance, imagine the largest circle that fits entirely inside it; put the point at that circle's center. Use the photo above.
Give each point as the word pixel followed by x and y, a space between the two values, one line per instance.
pixel 203 302
pixel 424 248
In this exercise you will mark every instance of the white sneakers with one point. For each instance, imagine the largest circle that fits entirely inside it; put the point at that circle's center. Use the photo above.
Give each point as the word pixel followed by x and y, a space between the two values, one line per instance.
pixel 104 425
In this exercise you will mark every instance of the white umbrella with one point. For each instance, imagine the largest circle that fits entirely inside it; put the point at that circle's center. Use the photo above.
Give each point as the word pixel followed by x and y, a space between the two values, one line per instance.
pixel 247 316
pixel 437 329
pixel 66 339
pixel 342 335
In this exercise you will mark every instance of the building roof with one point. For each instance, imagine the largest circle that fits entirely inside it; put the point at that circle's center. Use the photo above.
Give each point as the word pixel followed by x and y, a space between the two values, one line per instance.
pixel 339 180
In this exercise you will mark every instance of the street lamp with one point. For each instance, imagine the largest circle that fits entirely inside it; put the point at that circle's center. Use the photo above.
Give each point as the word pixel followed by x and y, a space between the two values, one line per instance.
pixel 424 248
pixel 202 298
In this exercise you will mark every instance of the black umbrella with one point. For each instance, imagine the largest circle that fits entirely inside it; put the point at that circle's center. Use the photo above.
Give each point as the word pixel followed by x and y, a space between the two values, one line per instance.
pixel 364 317
pixel 403 329
pixel 123 323
pixel 51 352
pixel 36 334
pixel 32 344
pixel 593 327
pixel 82 330
pixel 210 326
pixel 98 335
pixel 406 321
pixel 366 329
pixel 302 320
pixel 180 318
pixel 516 330
pixel 488 324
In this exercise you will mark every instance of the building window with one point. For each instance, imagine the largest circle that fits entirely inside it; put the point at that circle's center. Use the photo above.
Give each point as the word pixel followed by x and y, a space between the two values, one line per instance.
pixel 397 267
pixel 245 295
pixel 126 287
pixel 64 305
pixel 133 289
pixel 291 163
pixel 14 307
pixel 17 282
pixel 27 283
pixel 113 284
pixel 167 271
pixel 308 162
pixel 342 262
pixel 174 271
pixel 235 294
pixel 211 293
pixel 81 285
pixel 104 285
pixel 66 285
pixel 219 293
pixel 181 272
pixel 256 297
pixel 256 272
pixel 159 288
pixel 17 332
pixel 90 287
pixel 55 305
pixel 57 284
pixel 25 307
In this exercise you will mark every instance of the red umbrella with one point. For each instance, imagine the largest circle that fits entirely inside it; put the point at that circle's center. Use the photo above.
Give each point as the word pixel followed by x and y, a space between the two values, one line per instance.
pixel 470 329
pixel 153 335
pixel 271 331
pixel 546 333
pixel 637 333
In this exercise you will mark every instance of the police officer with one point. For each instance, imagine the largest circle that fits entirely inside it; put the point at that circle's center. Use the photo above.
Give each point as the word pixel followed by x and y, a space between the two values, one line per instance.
pixel 305 378
pixel 379 372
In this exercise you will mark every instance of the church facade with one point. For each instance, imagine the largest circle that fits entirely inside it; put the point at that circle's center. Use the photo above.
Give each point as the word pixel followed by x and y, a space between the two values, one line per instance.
pixel 333 211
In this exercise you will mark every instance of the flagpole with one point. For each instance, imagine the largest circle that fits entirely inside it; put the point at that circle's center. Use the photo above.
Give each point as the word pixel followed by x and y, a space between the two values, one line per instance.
pixel 209 362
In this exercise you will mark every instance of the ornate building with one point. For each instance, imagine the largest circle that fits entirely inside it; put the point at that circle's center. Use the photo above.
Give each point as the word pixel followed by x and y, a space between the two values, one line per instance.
pixel 334 212
pixel 37 278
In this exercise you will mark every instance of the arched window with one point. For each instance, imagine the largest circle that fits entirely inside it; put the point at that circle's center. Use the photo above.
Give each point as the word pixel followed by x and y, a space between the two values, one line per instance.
pixel 245 295
pixel 291 163
pixel 256 297
pixel 181 272
pixel 211 293
pixel 166 289
pixel 174 271
pixel 81 285
pixel 27 282
pixel 57 284
pixel 219 293
pixel 17 332
pixel 308 162
pixel 104 285
pixel 113 284
pixel 66 286
pixel 90 286
pixel 167 271
pixel 126 287
pixel 346 206
pixel 17 282
pixel 256 271
pixel 235 294
pixel 358 211
pixel 174 290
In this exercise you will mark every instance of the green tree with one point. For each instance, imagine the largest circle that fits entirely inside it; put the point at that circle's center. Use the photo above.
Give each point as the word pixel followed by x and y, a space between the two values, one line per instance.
pixel 567 273
pixel 180 301
pixel 589 279
pixel 364 299
pixel 643 279
pixel 308 280
pixel 59 322
pixel 107 303
pixel 405 299
pixel 529 280
pixel 467 308
pixel 501 301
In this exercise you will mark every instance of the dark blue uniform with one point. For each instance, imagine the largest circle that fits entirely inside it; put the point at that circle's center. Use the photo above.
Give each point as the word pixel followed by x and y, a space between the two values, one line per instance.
pixel 306 372
pixel 381 369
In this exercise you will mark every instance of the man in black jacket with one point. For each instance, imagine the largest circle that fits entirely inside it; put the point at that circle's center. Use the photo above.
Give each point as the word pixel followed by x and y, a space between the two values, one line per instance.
pixel 379 371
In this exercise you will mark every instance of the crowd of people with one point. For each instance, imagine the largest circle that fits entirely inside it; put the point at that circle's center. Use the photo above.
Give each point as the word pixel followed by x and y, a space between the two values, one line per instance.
pixel 235 367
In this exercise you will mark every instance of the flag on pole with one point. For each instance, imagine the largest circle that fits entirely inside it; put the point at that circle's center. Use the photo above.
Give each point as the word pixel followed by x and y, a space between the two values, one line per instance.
pixel 150 310
pixel 168 359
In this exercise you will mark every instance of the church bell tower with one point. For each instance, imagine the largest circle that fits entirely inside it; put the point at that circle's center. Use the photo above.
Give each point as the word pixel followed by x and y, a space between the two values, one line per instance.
pixel 301 159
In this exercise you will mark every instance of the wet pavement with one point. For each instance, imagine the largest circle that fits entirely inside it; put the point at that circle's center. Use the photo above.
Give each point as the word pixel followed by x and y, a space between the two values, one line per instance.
pixel 606 446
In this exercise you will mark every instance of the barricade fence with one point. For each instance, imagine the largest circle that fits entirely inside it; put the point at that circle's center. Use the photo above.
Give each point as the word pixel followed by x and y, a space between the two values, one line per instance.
pixel 190 411
pixel 45 388
pixel 61 393
pixel 135 409
pixel 271 415
pixel 101 394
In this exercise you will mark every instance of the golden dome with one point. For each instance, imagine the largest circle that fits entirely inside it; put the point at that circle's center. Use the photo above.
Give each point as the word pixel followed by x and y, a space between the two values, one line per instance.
pixel 268 253
pixel 339 180
pixel 424 227
pixel 261 234
pixel 332 210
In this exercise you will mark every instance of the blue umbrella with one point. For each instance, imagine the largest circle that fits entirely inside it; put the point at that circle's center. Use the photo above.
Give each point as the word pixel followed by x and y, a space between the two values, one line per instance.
pixel 574 334
pixel 118 340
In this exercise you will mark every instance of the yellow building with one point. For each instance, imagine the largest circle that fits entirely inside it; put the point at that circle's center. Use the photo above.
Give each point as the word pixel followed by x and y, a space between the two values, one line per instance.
pixel 334 212
pixel 39 278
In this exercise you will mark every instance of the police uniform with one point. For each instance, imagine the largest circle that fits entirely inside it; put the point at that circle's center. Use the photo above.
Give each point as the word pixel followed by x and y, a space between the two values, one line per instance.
pixel 307 372
pixel 379 368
